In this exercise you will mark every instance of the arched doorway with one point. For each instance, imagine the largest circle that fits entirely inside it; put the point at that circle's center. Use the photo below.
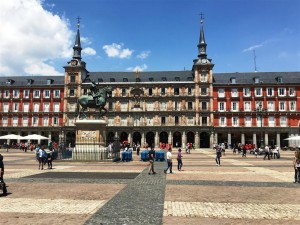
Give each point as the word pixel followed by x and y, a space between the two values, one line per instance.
pixel 190 137
pixel 70 139
pixel 110 138
pixel 177 139
pixel 137 137
pixel 163 137
pixel 150 139
pixel 204 140
pixel 123 137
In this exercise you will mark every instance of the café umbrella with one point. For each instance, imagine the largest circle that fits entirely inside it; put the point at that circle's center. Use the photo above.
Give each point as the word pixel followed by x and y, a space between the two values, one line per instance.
pixel 11 137
pixel 34 137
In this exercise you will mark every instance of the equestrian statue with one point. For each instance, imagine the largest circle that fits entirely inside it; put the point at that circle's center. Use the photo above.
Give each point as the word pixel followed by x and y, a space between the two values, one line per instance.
pixel 96 99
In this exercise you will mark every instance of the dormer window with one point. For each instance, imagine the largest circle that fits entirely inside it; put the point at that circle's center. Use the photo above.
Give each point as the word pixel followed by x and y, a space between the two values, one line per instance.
pixel 49 81
pixel 112 80
pixel 151 79
pixel 100 80
pixel 256 80
pixel 177 78
pixel 233 80
pixel 279 79
pixel 29 82
pixel 164 79
pixel 10 81
pixel 125 79
pixel 137 79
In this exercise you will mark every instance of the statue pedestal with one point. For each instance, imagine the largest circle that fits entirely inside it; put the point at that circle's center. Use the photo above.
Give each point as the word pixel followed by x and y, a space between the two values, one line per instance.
pixel 90 140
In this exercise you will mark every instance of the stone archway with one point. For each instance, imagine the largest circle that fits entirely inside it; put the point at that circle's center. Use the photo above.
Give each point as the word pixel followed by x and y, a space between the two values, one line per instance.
pixel 177 140
pixel 190 137
pixel 150 139
pixel 123 137
pixel 204 140
pixel 110 138
pixel 137 137
pixel 70 139
pixel 163 137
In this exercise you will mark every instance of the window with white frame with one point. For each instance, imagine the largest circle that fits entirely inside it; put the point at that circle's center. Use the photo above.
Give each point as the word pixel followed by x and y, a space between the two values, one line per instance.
pixel 163 106
pixel 190 91
pixel 190 105
pixel 271 121
pixel 137 120
pixel 163 91
pixel 258 104
pixel 72 92
pixel 248 121
pixel 204 91
pixel 247 106
pixel 222 121
pixel 234 92
pixel 222 106
pixel 6 94
pixel 25 107
pixel 56 107
pixel 259 121
pixel 46 93
pixel 16 93
pixel 292 91
pixel 45 121
pixel 271 106
pixel 282 106
pixel 26 93
pixel 149 106
pixel 15 107
pixel 221 92
pixel 36 93
pixel 15 121
pixel 203 77
pixel 46 107
pixel 234 106
pixel 292 105
pixel 258 92
pixel 123 106
pixel 35 121
pixel 270 92
pixel 235 121
pixel 5 121
pixel 36 107
pixel 283 121
pixel 72 107
pixel 281 92
pixel 55 121
pixel 246 92
pixel 56 93
pixel 25 121
pixel 256 80
pixel 5 107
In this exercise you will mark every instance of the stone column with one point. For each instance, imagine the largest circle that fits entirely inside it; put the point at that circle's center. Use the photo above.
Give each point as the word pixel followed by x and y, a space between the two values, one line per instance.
pixel 278 139
pixel 129 138
pixel 197 140
pixel 254 139
pixel 229 139
pixel 156 140
pixel 183 139
pixel 243 138
pixel 211 140
pixel 143 139
pixel 170 138
pixel 266 138
pixel 216 138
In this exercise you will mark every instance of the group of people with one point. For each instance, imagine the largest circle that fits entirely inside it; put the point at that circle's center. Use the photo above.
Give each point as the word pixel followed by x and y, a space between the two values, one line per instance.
pixel 44 157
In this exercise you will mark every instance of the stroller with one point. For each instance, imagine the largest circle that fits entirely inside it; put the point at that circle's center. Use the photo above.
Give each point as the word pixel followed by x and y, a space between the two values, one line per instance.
pixel 3 187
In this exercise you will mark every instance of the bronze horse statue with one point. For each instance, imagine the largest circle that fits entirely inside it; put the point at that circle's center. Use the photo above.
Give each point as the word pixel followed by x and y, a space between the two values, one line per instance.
pixel 96 99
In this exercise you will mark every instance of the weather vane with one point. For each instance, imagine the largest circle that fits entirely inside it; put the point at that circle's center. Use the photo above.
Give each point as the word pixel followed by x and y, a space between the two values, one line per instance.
pixel 202 18
pixel 78 21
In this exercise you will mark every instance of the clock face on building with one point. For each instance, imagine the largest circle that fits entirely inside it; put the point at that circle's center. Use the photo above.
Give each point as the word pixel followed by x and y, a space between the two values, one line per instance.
pixel 73 63
pixel 204 61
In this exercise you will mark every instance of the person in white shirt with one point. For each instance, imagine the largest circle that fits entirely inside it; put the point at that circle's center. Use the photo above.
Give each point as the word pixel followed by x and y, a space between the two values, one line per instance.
pixel 267 152
pixel 169 161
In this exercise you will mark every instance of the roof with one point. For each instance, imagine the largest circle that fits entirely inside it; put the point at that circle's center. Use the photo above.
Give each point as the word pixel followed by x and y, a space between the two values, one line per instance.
pixel 264 77
pixel 31 80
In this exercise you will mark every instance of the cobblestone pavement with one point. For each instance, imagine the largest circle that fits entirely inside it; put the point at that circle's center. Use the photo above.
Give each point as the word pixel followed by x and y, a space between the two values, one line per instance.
pixel 241 191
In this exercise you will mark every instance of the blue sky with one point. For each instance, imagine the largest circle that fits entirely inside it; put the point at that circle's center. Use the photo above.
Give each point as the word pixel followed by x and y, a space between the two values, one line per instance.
pixel 153 35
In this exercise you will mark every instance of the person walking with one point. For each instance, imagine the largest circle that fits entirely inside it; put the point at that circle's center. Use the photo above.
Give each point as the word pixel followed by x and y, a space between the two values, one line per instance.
pixel 218 155
pixel 50 159
pixel 151 160
pixel 169 160
pixel 1 175
pixel 267 152
pixel 179 159
pixel 296 164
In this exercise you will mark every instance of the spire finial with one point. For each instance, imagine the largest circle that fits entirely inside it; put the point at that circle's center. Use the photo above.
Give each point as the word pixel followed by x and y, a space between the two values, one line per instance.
pixel 202 18
pixel 78 21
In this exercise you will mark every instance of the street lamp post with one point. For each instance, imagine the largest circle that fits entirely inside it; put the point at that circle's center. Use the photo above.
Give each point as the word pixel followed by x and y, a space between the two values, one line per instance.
pixel 260 112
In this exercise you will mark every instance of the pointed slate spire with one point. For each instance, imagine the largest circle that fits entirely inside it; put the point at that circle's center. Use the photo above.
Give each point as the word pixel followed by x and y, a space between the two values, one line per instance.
pixel 77 46
pixel 202 45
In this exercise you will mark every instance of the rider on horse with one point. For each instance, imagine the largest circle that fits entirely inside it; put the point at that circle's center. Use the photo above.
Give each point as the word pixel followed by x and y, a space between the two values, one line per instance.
pixel 95 93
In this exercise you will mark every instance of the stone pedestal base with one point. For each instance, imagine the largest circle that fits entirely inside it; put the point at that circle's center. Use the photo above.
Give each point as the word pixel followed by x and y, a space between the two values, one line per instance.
pixel 90 140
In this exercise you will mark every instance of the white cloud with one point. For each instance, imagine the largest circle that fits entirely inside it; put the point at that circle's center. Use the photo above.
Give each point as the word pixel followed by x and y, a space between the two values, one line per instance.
pixel 31 37
pixel 143 55
pixel 116 51
pixel 85 40
pixel 252 48
pixel 138 68
pixel 89 51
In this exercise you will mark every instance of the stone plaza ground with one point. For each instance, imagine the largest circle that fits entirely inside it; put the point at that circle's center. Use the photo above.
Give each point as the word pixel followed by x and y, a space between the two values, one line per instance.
pixel 241 191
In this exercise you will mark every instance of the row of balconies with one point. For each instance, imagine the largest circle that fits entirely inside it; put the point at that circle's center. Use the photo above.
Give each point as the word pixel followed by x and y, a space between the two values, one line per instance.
pixel 256 96
pixel 3 124
pixel 30 111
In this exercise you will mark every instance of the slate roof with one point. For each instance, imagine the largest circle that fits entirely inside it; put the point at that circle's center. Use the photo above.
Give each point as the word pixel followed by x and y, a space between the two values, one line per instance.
pixel 36 80
pixel 264 77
